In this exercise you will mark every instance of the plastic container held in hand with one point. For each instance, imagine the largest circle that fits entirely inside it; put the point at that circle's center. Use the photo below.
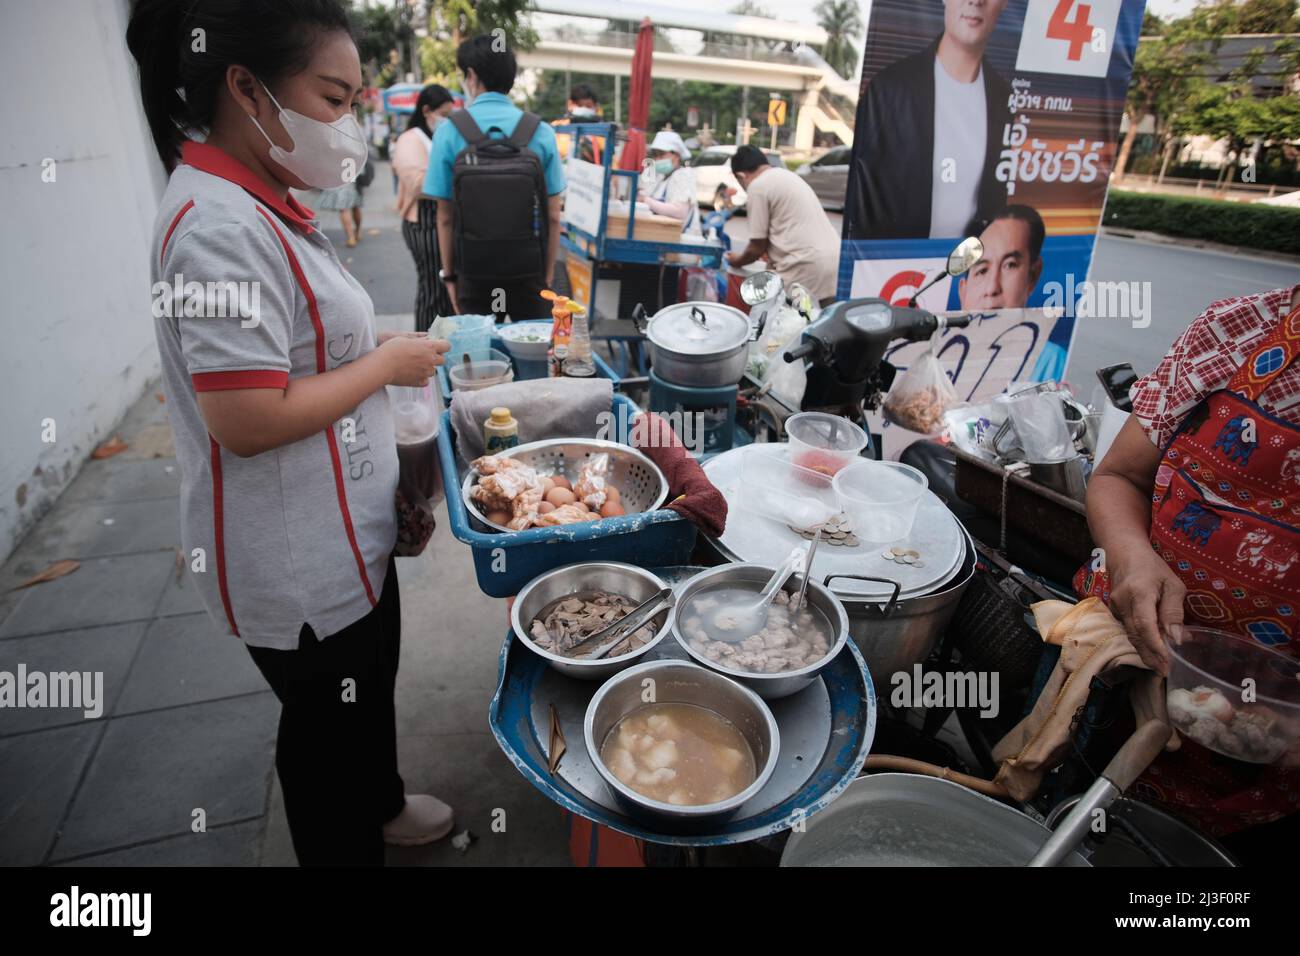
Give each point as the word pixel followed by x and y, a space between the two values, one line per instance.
pixel 417 418
pixel 921 395
pixel 1040 425
pixel 881 497
pixel 473 334
pixel 493 370
pixel 1235 696
pixel 773 487
pixel 822 442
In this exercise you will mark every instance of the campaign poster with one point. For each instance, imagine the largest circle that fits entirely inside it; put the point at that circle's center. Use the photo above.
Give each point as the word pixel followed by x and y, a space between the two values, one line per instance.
pixel 994 118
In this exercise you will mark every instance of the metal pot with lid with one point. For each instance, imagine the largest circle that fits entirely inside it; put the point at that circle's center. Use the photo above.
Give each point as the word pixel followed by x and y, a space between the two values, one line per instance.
pixel 697 344
pixel 899 596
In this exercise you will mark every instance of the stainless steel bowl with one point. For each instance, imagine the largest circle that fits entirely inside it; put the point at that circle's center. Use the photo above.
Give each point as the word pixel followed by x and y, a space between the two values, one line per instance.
pixel 635 583
pixel 680 682
pixel 768 686
pixel 640 483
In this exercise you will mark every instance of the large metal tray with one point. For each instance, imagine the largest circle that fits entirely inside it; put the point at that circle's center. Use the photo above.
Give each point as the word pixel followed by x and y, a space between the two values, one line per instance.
pixel 826 733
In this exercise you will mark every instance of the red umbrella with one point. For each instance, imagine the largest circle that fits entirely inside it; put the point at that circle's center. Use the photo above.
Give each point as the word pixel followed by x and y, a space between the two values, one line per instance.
pixel 638 101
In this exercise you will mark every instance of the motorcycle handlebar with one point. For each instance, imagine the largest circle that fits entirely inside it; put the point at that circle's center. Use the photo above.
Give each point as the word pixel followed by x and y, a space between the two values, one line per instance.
pixel 959 322
pixel 806 347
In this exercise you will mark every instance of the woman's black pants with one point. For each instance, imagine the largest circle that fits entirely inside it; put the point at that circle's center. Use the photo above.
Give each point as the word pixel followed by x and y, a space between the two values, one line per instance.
pixel 336 751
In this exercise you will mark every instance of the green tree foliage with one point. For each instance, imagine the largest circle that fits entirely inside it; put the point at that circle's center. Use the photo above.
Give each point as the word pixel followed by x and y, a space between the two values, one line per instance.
pixel 451 21
pixel 842 21
pixel 1174 80
pixel 1268 16
pixel 384 36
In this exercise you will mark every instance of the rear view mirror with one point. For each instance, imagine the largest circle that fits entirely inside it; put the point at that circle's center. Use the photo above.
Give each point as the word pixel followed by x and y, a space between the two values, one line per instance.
pixel 968 252
pixel 760 287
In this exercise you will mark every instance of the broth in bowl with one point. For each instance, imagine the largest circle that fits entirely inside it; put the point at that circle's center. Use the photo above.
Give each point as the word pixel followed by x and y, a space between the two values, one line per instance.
pixel 681 754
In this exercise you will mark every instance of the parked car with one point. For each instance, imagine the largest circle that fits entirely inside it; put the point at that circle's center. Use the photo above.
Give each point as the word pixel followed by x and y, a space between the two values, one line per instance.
pixel 829 176
pixel 713 176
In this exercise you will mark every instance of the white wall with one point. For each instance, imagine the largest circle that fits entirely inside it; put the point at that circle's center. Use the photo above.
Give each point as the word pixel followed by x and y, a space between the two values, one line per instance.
pixel 78 341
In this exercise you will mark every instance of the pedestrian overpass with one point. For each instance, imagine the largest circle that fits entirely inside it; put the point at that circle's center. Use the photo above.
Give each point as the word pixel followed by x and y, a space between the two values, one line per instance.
pixel 729 49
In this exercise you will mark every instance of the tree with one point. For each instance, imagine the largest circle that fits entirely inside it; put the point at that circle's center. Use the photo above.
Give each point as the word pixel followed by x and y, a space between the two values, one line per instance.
pixel 1152 25
pixel 451 21
pixel 1164 72
pixel 1268 16
pixel 384 37
pixel 842 21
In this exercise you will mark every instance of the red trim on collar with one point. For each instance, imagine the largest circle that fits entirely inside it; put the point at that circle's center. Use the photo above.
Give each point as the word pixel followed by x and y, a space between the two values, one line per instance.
pixel 218 162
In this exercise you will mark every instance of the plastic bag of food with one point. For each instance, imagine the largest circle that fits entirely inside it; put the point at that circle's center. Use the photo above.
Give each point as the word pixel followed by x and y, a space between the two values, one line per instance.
pixel 590 485
pixel 971 427
pixel 921 395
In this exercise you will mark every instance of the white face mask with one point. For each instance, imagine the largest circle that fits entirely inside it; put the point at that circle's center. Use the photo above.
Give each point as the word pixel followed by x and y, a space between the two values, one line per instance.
pixel 325 155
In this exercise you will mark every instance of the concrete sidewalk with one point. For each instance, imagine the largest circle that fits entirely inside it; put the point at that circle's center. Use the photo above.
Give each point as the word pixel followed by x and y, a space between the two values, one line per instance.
pixel 188 723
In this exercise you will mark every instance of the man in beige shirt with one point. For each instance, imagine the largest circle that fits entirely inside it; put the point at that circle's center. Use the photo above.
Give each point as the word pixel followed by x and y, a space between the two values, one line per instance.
pixel 787 226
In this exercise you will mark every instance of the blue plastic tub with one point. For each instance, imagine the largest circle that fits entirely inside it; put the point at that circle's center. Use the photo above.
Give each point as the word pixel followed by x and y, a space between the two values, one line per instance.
pixel 505 562
pixel 525 370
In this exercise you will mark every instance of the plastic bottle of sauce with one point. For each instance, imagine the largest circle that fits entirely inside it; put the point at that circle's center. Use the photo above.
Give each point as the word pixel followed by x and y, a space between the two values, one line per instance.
pixel 561 331
pixel 500 431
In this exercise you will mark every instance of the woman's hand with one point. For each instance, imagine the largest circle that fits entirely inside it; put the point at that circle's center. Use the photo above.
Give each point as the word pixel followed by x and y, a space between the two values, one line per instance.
pixel 387 334
pixel 1145 594
pixel 1147 598
pixel 412 359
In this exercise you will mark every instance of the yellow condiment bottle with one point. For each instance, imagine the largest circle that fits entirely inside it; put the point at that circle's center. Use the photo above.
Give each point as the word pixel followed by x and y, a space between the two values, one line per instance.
pixel 500 431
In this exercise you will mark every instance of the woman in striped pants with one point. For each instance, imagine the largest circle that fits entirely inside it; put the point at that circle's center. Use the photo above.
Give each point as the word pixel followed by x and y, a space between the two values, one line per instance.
pixel 410 160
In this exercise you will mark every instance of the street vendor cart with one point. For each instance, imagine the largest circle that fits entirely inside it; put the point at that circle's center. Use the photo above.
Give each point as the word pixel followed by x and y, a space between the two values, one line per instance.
pixel 606 239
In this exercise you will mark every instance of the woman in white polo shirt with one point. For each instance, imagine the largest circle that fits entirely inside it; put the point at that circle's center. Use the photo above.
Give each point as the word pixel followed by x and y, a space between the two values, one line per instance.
pixel 275 384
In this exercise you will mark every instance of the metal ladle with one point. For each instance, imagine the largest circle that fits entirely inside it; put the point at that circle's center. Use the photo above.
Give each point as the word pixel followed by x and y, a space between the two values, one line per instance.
pixel 746 620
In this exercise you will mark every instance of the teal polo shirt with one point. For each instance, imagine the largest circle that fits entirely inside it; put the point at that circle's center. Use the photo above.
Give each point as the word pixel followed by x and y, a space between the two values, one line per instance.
pixel 489 110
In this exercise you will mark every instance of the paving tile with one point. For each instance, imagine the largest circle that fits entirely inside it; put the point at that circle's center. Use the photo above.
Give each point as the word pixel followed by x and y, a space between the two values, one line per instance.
pixel 181 595
pixel 150 441
pixel 152 770
pixel 145 412
pixel 125 479
pixel 40 773
pixel 185 660
pixel 234 845
pixel 470 772
pixel 94 530
pixel 429 704
pixel 102 650
pixel 101 591
pixel 277 845
pixel 451 631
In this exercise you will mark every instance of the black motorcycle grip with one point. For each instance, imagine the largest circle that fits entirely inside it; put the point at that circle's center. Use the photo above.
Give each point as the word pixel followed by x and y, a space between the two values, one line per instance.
pixel 806 347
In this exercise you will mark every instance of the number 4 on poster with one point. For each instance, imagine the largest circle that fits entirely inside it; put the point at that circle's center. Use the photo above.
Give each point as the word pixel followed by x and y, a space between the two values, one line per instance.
pixel 1068 36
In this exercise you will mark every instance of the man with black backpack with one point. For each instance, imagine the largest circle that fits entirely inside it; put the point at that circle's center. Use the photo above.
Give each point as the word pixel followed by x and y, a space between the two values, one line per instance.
pixel 498 179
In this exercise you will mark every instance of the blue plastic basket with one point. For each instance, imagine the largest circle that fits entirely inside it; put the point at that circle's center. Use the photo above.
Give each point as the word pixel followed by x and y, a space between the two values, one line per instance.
pixel 504 563
pixel 524 370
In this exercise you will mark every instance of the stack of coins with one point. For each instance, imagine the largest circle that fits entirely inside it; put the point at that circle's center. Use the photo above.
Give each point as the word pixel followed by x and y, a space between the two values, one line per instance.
pixel 837 531
pixel 903 556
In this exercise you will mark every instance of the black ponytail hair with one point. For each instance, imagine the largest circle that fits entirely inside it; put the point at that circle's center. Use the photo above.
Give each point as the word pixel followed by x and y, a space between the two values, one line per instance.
pixel 183 48
pixel 432 96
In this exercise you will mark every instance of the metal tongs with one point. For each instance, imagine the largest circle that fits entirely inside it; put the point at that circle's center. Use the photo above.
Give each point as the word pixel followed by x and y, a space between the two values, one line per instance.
pixel 629 623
